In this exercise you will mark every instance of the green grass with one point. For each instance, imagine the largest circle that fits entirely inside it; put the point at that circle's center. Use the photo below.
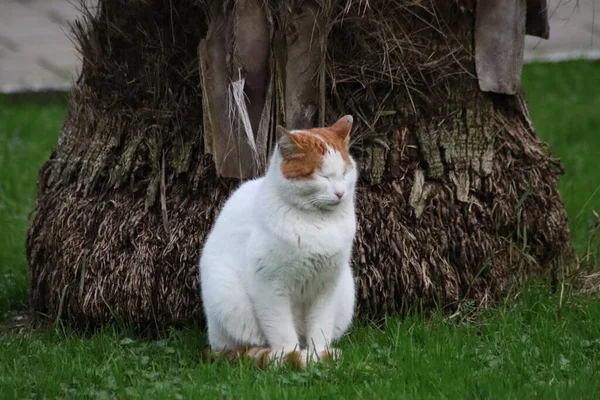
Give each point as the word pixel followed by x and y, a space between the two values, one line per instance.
pixel 523 350
pixel 28 132
pixel 536 345
pixel 564 101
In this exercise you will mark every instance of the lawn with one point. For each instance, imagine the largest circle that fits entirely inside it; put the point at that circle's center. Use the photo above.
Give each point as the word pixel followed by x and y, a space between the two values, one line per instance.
pixel 533 345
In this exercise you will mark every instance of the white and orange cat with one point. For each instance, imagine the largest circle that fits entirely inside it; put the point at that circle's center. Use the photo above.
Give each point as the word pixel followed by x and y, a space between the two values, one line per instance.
pixel 275 275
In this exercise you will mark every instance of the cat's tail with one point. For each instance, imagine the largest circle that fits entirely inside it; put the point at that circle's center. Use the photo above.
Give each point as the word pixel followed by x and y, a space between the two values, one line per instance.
pixel 263 356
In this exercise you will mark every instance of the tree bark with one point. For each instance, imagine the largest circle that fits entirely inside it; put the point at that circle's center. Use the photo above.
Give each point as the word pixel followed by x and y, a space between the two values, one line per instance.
pixel 457 199
pixel 234 60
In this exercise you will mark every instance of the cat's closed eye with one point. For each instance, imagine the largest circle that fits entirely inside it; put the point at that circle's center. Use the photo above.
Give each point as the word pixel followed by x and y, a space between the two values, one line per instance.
pixel 329 177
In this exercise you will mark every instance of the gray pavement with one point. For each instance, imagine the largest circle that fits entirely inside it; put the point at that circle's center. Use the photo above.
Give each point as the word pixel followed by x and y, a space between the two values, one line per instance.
pixel 36 52
pixel 574 32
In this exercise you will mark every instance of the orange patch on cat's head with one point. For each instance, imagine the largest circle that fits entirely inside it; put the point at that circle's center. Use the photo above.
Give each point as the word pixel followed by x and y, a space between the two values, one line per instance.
pixel 302 151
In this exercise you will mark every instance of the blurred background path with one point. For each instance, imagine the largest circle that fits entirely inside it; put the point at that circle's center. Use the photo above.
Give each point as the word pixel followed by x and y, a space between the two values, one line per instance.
pixel 36 51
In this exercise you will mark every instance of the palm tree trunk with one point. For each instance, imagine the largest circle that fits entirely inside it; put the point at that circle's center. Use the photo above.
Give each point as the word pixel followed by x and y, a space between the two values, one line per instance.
pixel 458 198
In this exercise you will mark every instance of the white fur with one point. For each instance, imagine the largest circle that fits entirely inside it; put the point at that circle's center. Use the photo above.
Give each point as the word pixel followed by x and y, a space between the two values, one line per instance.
pixel 275 269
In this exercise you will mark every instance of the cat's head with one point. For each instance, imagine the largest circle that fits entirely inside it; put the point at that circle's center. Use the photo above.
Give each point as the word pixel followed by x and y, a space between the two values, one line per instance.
pixel 315 169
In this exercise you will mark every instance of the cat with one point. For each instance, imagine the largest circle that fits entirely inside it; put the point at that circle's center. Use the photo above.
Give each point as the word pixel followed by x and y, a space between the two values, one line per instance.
pixel 275 275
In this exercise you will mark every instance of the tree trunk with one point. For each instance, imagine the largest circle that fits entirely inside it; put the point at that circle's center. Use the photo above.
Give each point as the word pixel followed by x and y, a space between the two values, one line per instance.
pixel 457 198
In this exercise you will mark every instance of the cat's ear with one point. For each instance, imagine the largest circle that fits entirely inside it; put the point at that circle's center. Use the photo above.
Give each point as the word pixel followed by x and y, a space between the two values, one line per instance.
pixel 286 143
pixel 343 127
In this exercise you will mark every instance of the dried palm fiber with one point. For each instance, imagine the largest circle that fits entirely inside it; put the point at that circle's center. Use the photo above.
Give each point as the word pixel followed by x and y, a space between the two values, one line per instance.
pixel 457 198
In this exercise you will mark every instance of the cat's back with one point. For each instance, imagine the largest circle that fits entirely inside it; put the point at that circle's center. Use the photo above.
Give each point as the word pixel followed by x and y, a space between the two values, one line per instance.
pixel 235 220
pixel 241 201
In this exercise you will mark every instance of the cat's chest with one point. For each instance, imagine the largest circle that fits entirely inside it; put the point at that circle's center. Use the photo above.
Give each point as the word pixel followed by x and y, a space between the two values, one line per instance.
pixel 312 260
pixel 312 256
pixel 298 251
pixel 317 238
pixel 304 272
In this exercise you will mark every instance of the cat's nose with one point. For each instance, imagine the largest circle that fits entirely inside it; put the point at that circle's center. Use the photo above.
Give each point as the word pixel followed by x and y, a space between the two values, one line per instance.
pixel 339 194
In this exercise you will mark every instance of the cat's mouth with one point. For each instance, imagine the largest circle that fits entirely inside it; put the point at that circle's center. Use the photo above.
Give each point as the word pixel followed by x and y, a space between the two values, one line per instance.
pixel 321 203
pixel 331 203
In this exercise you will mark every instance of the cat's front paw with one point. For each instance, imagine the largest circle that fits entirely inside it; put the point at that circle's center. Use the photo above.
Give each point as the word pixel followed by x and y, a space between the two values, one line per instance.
pixel 325 354
pixel 296 359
